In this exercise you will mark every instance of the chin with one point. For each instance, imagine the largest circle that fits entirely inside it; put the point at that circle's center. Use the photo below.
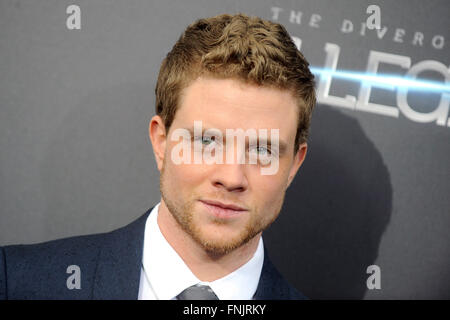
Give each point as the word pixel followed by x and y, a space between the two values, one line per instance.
pixel 222 241
pixel 219 247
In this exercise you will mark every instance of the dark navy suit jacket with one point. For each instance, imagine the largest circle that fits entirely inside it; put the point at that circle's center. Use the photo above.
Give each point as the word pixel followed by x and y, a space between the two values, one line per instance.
pixel 110 266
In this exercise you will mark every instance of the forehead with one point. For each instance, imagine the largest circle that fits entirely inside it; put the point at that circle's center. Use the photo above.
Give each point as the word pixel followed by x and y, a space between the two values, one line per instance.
pixel 230 103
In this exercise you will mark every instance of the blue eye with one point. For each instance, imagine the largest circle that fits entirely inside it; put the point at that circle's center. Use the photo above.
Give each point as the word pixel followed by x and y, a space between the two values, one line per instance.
pixel 205 139
pixel 263 150
pixel 264 154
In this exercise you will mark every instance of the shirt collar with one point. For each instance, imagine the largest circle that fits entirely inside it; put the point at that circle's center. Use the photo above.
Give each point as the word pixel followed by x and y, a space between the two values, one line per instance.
pixel 168 275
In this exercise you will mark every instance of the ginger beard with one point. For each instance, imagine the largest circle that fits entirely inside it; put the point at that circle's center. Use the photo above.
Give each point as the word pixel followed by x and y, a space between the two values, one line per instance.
pixel 215 241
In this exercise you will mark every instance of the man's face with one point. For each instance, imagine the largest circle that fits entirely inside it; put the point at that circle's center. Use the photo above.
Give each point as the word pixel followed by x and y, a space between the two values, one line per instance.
pixel 191 191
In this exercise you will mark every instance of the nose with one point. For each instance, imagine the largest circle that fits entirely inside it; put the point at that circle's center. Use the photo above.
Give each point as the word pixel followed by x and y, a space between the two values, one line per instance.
pixel 230 177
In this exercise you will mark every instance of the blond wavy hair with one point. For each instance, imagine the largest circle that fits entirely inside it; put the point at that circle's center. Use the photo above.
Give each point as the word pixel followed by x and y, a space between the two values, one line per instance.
pixel 237 46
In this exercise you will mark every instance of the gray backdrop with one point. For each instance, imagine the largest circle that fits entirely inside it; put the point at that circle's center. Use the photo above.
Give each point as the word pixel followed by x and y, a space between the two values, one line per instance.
pixel 75 157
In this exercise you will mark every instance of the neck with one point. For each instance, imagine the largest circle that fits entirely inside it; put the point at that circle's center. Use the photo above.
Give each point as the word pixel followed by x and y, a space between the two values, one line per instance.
pixel 204 266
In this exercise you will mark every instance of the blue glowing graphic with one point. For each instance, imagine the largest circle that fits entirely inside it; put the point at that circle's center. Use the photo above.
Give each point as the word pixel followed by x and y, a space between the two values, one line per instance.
pixel 385 81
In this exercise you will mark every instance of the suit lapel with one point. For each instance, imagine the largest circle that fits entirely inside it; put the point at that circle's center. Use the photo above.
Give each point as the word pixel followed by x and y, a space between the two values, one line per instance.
pixel 267 281
pixel 118 268
pixel 272 285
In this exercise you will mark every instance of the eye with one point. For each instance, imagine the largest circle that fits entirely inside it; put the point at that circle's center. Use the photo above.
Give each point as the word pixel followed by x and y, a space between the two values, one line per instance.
pixel 205 140
pixel 263 150
pixel 262 155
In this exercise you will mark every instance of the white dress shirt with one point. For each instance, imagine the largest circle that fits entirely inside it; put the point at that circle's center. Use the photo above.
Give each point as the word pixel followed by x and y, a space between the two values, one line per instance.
pixel 164 274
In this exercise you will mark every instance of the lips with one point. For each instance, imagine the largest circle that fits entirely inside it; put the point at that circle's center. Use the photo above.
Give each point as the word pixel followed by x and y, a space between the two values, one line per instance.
pixel 222 210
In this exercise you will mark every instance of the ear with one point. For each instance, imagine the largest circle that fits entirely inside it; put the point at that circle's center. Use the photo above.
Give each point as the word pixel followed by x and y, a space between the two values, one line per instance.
pixel 298 160
pixel 157 134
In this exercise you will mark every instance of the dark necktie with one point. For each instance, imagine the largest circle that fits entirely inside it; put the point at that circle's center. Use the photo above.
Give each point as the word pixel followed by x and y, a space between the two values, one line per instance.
pixel 197 292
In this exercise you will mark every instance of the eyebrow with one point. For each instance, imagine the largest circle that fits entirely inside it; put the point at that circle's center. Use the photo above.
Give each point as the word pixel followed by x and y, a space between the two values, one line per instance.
pixel 282 145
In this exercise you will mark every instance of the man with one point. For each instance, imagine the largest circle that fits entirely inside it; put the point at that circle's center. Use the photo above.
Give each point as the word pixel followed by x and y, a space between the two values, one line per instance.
pixel 226 74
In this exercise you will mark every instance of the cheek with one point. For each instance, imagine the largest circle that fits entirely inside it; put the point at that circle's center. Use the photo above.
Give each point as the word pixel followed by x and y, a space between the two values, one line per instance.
pixel 269 189
pixel 184 176
pixel 183 173
pixel 273 184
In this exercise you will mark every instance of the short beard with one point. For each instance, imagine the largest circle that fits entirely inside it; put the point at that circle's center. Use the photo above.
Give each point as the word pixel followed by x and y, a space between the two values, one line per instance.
pixel 183 213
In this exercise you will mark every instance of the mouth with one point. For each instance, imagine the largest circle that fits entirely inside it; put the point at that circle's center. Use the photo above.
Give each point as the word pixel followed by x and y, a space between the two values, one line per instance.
pixel 222 210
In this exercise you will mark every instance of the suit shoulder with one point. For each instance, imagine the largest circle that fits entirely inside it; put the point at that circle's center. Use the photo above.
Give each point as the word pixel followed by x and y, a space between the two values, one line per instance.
pixel 40 271
pixel 54 249
pixel 2 275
